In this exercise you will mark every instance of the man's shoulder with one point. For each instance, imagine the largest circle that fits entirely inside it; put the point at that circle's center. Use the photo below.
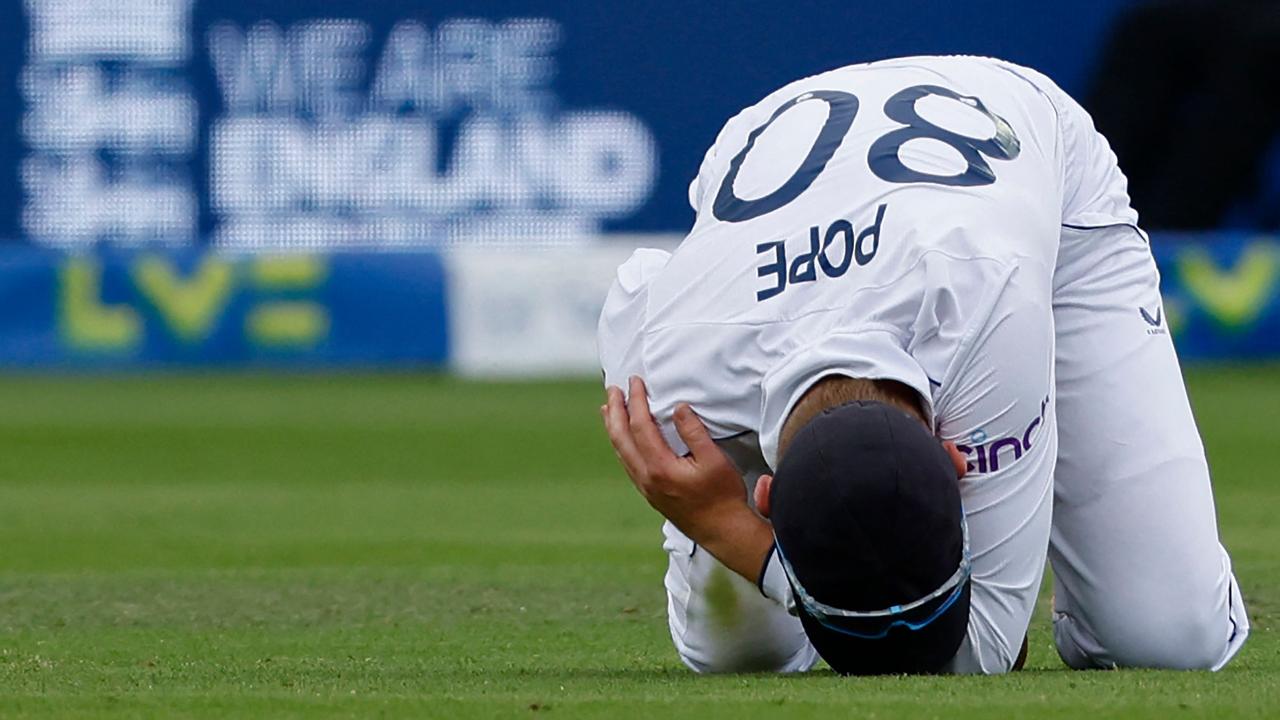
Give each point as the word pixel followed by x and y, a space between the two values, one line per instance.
pixel 620 329
pixel 643 264
pixel 624 303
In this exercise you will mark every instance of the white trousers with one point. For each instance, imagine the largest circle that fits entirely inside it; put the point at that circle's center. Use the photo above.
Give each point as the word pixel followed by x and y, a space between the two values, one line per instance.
pixel 1140 579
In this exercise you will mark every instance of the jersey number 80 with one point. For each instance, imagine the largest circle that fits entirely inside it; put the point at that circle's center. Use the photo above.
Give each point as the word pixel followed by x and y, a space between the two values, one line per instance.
pixel 882 157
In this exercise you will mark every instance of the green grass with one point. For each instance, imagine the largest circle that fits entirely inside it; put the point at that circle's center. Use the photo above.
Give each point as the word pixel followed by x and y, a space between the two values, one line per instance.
pixel 414 546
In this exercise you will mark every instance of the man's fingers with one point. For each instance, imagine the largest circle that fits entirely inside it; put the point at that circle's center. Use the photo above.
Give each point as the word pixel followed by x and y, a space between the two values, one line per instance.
pixel 958 460
pixel 644 430
pixel 694 433
pixel 618 425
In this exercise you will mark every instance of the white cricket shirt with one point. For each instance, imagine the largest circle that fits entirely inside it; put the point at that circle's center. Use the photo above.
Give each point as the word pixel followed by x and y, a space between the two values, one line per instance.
pixel 921 182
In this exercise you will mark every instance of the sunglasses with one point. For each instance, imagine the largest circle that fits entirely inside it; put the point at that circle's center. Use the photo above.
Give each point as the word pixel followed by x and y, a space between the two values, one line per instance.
pixel 830 617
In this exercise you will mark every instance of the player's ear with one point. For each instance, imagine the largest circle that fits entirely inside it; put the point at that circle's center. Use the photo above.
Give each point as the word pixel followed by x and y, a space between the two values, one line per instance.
pixel 762 494
pixel 957 458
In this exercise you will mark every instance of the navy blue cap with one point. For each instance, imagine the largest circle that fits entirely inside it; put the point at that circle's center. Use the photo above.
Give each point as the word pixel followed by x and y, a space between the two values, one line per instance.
pixel 866 511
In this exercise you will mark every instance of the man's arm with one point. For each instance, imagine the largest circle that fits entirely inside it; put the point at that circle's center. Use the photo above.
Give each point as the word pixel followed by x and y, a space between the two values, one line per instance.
pixel 701 493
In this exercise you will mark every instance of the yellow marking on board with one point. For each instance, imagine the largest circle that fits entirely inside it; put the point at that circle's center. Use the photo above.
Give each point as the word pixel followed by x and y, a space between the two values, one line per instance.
pixel 288 271
pixel 1236 296
pixel 287 324
pixel 190 306
pixel 84 321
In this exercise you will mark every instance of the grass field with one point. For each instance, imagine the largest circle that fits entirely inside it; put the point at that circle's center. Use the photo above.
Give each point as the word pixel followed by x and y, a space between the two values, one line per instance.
pixel 415 546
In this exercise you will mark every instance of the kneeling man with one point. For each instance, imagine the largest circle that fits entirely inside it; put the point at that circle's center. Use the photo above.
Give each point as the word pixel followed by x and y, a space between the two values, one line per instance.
pixel 913 343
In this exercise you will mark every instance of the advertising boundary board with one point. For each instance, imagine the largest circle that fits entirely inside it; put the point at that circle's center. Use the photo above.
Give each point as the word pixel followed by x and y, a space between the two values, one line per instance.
pixel 485 313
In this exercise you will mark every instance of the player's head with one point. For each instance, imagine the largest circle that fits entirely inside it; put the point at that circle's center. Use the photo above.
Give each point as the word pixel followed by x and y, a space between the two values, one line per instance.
pixel 865 507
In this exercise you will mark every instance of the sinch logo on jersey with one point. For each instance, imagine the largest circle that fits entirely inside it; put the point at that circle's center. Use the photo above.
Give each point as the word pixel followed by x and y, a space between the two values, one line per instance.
pixel 322 132
pixel 988 455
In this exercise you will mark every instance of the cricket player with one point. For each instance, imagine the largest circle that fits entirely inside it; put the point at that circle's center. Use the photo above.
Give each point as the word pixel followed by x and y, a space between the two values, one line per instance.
pixel 913 343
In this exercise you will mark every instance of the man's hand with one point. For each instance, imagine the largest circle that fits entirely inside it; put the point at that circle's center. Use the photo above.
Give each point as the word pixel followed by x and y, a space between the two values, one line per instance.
pixel 691 491
pixel 702 493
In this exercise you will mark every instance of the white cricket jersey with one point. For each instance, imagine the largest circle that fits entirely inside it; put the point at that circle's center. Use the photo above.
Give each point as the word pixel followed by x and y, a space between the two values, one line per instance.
pixel 955 224
pixel 866 222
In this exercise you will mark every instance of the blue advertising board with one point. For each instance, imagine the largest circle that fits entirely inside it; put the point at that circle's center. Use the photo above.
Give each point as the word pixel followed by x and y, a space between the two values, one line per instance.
pixel 217 182
pixel 1221 294
pixel 353 124
pixel 191 307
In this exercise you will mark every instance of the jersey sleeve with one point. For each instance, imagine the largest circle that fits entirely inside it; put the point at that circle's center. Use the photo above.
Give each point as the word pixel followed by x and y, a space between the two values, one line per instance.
pixel 619 334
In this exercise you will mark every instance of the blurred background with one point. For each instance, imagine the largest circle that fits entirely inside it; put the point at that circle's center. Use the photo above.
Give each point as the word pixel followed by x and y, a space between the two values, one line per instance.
pixel 297 335
pixel 448 184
